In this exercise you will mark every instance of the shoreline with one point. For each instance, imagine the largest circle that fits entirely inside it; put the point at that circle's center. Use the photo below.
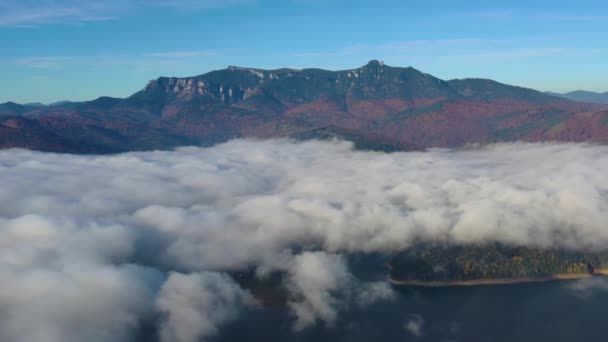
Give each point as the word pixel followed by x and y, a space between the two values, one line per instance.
pixel 497 281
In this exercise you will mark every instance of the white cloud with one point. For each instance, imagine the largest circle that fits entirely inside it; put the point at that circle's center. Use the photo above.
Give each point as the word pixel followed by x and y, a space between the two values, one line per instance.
pixel 587 287
pixel 142 59
pixel 471 49
pixel 194 306
pixel 87 241
pixel 315 278
pixel 65 279
pixel 195 4
pixel 520 54
pixel 411 47
pixel 536 16
pixel 28 13
pixel 415 325
pixel 371 293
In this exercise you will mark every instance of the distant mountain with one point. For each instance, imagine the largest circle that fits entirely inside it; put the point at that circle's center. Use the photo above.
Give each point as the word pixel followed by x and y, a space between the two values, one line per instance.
pixel 584 96
pixel 35 104
pixel 60 103
pixel 376 106
pixel 19 132
pixel 12 108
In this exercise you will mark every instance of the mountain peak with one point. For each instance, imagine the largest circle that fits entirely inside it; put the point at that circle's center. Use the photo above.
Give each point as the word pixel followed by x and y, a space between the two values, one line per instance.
pixel 374 63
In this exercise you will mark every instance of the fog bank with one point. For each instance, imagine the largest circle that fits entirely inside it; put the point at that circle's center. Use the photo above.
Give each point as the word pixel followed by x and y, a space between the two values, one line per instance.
pixel 107 244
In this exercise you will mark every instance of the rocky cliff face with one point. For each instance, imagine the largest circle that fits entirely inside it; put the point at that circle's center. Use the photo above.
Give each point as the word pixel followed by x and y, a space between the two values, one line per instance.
pixel 189 88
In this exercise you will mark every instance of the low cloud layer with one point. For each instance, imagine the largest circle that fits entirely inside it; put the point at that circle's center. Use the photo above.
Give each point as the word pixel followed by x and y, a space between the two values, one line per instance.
pixel 95 247
pixel 194 306
pixel 314 276
pixel 415 325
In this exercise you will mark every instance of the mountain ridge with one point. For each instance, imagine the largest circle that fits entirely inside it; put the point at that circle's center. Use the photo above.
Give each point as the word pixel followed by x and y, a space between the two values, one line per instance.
pixel 373 105
pixel 584 96
pixel 273 74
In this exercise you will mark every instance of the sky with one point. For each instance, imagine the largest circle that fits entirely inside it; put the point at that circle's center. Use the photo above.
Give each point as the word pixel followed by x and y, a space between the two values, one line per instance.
pixel 56 50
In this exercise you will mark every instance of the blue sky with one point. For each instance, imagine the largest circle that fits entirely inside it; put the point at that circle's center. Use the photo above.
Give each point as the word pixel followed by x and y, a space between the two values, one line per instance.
pixel 80 49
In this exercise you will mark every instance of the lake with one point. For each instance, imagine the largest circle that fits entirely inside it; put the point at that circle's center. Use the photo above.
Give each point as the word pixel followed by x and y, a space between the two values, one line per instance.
pixel 554 311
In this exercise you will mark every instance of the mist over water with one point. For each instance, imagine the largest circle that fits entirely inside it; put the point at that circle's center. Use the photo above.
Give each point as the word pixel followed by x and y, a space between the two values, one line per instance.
pixel 139 244
pixel 522 312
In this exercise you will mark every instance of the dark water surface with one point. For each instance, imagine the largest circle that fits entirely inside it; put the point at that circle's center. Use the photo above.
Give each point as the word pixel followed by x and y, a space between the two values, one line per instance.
pixel 555 311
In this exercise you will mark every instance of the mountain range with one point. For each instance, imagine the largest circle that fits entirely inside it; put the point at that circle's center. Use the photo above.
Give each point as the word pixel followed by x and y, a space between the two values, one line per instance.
pixel 584 96
pixel 376 106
